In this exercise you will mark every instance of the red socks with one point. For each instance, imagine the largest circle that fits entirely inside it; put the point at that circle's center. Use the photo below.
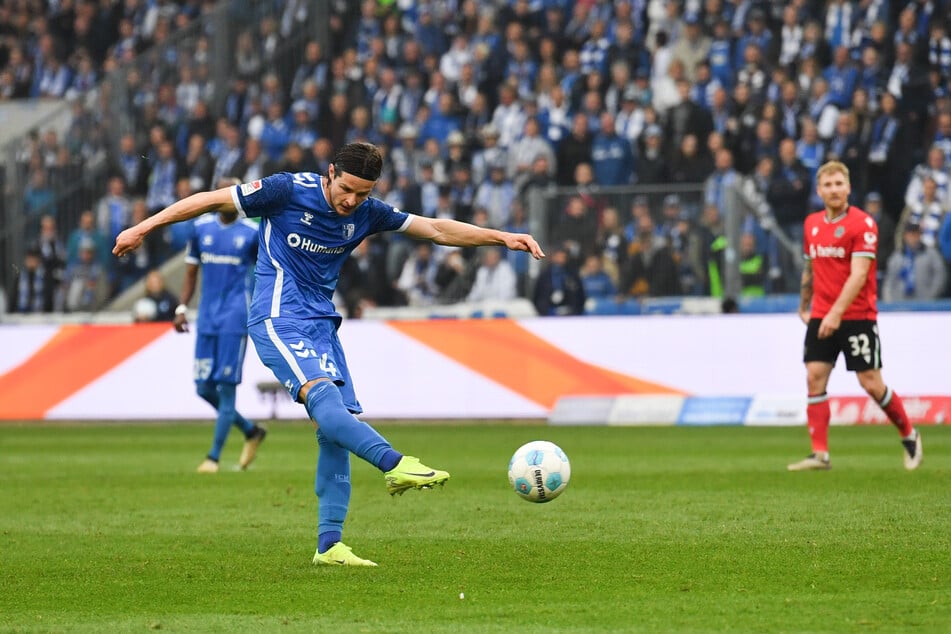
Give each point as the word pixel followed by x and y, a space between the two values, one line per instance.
pixel 817 418
pixel 895 410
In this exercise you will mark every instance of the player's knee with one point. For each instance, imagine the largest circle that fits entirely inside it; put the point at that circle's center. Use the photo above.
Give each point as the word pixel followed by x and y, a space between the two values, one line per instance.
pixel 306 388
pixel 207 391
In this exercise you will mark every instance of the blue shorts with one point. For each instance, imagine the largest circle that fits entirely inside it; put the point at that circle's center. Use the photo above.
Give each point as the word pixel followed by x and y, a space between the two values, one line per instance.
pixel 301 350
pixel 219 358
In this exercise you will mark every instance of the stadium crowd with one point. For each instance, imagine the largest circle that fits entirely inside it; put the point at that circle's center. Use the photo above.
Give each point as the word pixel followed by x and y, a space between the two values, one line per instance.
pixel 478 105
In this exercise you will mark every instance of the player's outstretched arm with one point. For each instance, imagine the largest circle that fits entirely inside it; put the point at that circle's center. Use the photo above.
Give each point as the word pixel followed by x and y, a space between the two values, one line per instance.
pixel 453 233
pixel 184 209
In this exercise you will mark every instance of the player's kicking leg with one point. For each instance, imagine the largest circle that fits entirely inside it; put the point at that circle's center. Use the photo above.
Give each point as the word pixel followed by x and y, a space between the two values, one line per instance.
pixel 307 358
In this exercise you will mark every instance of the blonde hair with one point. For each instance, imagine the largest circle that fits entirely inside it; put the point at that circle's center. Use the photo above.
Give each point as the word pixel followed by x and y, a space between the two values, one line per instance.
pixel 832 167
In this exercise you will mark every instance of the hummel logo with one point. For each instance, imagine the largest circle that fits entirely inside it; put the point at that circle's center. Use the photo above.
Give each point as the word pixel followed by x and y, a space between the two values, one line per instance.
pixel 299 350
pixel 307 217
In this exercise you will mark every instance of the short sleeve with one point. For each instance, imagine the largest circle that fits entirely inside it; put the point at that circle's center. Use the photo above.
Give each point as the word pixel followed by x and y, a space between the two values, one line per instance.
pixel 386 217
pixel 865 240
pixel 264 197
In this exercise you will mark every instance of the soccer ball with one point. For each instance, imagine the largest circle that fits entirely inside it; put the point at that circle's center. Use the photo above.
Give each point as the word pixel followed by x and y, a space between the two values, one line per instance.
pixel 539 471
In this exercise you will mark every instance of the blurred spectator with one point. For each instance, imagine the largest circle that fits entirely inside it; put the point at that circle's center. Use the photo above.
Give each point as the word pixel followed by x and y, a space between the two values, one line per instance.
pixel 494 278
pixel 417 281
pixel 51 248
pixel 574 149
pixel 558 289
pixel 130 268
pixel 495 195
pixel 164 174
pixel 886 231
pixel 39 199
pixel 596 282
pixel 927 211
pixel 612 157
pixel 132 166
pixel 753 267
pixel 652 160
pixel 33 289
pixel 915 271
pixel 114 210
pixel 159 304
pixel 197 164
pixel 453 278
pixel 936 168
pixel 650 269
pixel 85 282
pixel 87 232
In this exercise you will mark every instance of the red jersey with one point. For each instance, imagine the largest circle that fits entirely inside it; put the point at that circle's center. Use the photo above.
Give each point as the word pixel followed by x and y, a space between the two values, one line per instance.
pixel 831 245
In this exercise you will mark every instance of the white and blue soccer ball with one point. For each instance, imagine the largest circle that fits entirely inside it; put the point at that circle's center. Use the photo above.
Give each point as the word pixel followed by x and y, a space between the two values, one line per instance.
pixel 539 471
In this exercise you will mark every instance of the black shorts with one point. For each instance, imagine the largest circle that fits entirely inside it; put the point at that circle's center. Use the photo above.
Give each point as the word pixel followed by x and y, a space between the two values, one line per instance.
pixel 856 339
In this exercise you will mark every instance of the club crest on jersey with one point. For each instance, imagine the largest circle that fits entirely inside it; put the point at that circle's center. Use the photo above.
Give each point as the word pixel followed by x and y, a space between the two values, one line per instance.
pixel 306 218
pixel 839 232
pixel 815 230
pixel 239 242
pixel 207 240
pixel 249 188
pixel 348 230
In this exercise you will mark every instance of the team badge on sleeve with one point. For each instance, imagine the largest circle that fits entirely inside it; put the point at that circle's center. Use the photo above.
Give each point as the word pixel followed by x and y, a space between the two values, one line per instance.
pixel 249 188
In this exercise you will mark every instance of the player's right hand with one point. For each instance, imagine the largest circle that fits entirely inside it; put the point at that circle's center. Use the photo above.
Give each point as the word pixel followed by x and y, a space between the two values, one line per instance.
pixel 181 323
pixel 804 316
pixel 127 241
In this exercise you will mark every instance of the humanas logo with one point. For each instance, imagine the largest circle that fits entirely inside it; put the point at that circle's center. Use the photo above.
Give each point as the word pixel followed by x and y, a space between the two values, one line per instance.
pixel 826 252
pixel 306 244
pixel 216 258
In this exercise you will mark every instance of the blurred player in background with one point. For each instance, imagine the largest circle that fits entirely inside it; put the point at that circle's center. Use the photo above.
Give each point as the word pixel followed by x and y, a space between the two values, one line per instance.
pixel 838 282
pixel 310 224
pixel 225 248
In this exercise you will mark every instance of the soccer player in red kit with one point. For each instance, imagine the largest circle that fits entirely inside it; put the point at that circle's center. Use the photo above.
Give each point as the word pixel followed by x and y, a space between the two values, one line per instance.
pixel 838 281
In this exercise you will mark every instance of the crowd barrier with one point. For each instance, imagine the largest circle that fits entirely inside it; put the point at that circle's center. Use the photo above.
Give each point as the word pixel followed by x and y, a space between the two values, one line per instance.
pixel 693 370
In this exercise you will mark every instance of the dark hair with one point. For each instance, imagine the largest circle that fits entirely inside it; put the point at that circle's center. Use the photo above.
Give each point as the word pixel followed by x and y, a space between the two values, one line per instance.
pixel 360 159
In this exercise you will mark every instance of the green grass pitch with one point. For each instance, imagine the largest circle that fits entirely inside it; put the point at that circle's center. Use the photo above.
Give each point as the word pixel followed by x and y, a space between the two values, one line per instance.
pixel 106 528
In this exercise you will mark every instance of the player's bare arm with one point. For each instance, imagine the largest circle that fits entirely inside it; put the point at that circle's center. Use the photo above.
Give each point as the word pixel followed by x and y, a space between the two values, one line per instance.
pixel 189 283
pixel 858 273
pixel 453 233
pixel 184 209
pixel 805 292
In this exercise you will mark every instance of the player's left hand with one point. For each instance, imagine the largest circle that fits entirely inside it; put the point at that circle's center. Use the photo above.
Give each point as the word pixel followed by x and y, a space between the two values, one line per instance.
pixel 830 323
pixel 128 241
pixel 524 242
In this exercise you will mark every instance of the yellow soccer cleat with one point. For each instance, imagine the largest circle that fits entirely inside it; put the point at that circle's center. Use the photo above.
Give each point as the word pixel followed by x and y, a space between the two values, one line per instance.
pixel 410 473
pixel 340 555
pixel 251 445
pixel 208 466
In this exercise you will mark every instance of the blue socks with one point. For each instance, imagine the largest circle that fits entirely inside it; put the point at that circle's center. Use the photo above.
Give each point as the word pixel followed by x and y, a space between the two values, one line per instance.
pixel 325 406
pixel 332 486
pixel 339 433
pixel 221 396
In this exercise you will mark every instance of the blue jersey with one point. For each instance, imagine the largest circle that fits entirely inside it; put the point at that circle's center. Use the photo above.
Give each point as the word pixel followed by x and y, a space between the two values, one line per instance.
pixel 304 243
pixel 226 254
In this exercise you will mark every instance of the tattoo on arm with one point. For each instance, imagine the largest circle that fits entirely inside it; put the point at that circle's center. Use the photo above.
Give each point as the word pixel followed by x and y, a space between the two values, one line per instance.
pixel 805 286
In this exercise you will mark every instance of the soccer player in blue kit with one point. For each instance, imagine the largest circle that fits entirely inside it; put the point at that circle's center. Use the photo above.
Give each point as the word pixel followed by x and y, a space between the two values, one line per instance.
pixel 309 225
pixel 225 247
